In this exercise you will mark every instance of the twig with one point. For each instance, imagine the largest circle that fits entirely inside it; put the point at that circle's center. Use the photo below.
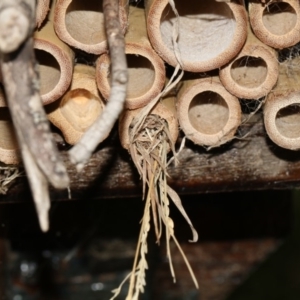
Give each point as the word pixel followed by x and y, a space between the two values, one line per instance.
pixel 15 23
pixel 81 152
pixel 41 158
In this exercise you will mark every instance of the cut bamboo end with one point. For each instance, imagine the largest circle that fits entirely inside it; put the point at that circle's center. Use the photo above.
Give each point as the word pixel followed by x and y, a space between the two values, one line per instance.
pixel 80 106
pixel 208 114
pixel 282 120
pixel 276 23
pixel 253 73
pixel 9 148
pixel 42 9
pixel 281 110
pixel 146 74
pixel 81 23
pixel 164 109
pixel 211 33
pixel 146 70
pixel 55 61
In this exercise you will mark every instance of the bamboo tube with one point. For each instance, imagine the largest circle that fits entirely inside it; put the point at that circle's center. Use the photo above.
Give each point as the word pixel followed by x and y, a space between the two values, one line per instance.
pixel 281 110
pixel 211 33
pixel 81 23
pixel 207 113
pixel 80 106
pixel 9 149
pixel 55 61
pixel 42 9
pixel 253 73
pixel 164 109
pixel 276 23
pixel 145 68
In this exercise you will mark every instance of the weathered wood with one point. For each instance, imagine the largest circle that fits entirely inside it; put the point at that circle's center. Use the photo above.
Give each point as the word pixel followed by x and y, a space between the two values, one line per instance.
pixel 248 163
pixel 15 23
pixel 21 84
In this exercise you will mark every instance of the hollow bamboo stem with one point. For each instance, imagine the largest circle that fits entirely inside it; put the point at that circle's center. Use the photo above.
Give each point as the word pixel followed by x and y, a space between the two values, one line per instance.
pixel 81 23
pixel 80 106
pixel 55 60
pixel 208 114
pixel 281 110
pixel 276 23
pixel 253 73
pixel 211 32
pixel 164 109
pixel 146 69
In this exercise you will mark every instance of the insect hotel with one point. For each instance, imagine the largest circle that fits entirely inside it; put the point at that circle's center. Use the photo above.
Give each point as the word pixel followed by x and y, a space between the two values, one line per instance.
pixel 117 118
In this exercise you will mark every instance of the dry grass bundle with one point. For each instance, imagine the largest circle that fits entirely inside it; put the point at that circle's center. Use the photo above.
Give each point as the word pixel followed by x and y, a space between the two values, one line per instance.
pixel 149 145
pixel 7 176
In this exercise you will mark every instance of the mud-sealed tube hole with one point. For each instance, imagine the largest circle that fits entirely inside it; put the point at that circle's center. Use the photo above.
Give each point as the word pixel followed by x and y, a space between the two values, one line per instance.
pixel 208 112
pixel 279 18
pixel 141 75
pixel 288 121
pixel 85 22
pixel 206 28
pixel 49 71
pixel 249 72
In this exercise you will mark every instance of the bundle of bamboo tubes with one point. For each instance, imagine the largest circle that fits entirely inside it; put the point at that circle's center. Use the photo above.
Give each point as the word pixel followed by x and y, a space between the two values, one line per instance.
pixel 241 42
pixel 189 63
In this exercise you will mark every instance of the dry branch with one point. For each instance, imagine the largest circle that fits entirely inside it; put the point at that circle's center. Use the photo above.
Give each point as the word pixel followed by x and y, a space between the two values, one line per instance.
pixel 81 153
pixel 15 23
pixel 40 156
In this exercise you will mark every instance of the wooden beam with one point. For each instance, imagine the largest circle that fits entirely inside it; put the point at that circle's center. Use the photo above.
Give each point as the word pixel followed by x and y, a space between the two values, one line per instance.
pixel 250 162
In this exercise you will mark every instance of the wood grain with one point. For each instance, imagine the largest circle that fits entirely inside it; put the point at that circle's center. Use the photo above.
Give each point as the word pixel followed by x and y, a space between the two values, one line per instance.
pixel 251 162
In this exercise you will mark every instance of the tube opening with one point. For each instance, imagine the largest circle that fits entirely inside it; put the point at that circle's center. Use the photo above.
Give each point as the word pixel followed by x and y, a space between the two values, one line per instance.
pixel 49 71
pixel 141 75
pixel 85 21
pixel 279 18
pixel 206 28
pixel 208 112
pixel 249 71
pixel 288 121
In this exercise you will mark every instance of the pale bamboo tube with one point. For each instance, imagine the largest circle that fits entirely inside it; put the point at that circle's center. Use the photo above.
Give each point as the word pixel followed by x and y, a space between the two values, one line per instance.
pixel 55 61
pixel 81 23
pixel 9 149
pixel 208 114
pixel 42 9
pixel 164 109
pixel 146 69
pixel 253 72
pixel 281 110
pixel 80 106
pixel 211 33
pixel 276 23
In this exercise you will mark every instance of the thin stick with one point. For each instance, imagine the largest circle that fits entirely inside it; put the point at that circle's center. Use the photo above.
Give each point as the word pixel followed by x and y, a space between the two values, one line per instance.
pixel 41 158
pixel 132 278
pixel 29 118
pixel 81 153
pixel 15 23
pixel 39 187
